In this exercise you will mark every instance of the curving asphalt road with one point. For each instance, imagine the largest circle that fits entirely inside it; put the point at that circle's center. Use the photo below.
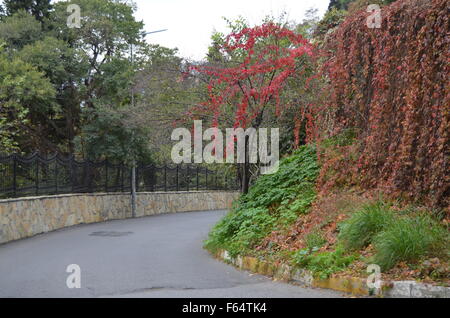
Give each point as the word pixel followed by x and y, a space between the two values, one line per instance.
pixel 157 256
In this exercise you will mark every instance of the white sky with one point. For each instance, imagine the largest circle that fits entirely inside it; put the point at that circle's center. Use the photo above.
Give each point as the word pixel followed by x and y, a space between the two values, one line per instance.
pixel 190 23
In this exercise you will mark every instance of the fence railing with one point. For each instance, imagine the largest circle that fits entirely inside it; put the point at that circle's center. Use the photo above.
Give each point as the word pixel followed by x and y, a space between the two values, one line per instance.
pixel 38 175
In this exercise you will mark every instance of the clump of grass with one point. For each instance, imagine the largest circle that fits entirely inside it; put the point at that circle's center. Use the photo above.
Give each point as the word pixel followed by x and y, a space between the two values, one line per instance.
pixel 323 264
pixel 358 231
pixel 315 239
pixel 410 239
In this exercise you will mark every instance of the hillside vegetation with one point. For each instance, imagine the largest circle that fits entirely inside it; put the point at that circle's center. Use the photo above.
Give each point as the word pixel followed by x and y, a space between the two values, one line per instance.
pixel 273 202
pixel 373 184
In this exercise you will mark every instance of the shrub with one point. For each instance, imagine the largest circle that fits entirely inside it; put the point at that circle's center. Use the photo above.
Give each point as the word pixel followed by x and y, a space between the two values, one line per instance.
pixel 345 138
pixel 332 19
pixel 410 239
pixel 315 239
pixel 358 231
pixel 323 264
pixel 273 202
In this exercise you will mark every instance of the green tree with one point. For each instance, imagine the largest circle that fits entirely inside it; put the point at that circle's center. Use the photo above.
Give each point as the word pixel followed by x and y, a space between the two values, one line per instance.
pixel 164 92
pixel 309 24
pixel 107 29
pixel 24 91
pixel 339 4
pixel 65 68
pixel 106 137
pixel 19 30
pixel 331 20
pixel 88 67
pixel 40 9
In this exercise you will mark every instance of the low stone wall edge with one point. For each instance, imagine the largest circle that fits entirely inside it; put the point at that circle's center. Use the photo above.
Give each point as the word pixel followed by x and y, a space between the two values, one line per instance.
pixel 25 217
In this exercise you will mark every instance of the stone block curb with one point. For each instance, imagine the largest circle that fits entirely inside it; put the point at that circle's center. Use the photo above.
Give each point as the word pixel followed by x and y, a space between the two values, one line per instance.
pixel 351 285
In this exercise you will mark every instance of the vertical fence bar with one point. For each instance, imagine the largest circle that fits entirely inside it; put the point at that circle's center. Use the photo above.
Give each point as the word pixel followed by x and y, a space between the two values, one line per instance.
pixel 56 176
pixel 154 181
pixel 121 177
pixel 165 178
pixel 177 177
pixel 14 175
pixel 206 178
pixel 106 176
pixel 72 172
pixel 37 177
pixel 197 178
pixel 138 176
pixel 86 177
pixel 188 179
pixel 133 189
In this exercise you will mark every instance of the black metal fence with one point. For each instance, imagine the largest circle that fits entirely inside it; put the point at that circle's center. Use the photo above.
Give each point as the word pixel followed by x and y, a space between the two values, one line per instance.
pixel 37 175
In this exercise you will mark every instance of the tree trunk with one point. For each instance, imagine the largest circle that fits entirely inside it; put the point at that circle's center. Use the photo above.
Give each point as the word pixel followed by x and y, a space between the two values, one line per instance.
pixel 245 169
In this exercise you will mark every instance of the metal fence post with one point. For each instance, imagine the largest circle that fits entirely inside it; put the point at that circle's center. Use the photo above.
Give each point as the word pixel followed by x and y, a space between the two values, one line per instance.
pixel 106 175
pixel 197 178
pixel 153 173
pixel 37 177
pixel 138 174
pixel 14 175
pixel 56 176
pixel 177 178
pixel 188 179
pixel 87 182
pixel 72 172
pixel 122 177
pixel 133 190
pixel 165 178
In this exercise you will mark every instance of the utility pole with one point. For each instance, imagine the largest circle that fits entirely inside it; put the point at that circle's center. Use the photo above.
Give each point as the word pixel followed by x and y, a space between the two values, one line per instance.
pixel 134 163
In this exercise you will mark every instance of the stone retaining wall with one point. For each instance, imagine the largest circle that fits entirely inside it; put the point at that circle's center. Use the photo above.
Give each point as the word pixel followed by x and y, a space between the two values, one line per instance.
pixel 352 285
pixel 25 217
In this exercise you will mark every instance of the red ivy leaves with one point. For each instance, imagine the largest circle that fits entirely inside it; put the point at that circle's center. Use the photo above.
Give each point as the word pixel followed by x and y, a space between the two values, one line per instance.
pixel 391 85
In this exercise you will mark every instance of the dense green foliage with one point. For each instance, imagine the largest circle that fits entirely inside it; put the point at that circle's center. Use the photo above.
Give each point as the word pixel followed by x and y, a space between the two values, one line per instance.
pixel 315 239
pixel 353 4
pixel 323 264
pixel 40 9
pixel 396 237
pixel 273 202
pixel 24 92
pixel 85 70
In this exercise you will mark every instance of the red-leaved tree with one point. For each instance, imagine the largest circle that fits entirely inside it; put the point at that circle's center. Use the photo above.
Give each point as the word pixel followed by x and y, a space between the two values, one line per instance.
pixel 258 63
